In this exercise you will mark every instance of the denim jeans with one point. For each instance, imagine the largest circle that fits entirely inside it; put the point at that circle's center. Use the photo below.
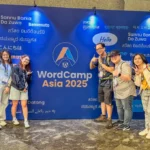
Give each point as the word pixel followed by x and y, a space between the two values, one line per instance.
pixel 145 95
pixel 124 109
pixel 3 102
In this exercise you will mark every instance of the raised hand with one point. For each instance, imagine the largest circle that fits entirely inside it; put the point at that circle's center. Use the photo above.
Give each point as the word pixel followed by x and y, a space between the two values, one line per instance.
pixel 137 70
pixel 94 59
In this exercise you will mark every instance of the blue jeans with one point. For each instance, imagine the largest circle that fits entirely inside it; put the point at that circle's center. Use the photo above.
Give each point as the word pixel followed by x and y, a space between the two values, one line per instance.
pixel 124 109
pixel 145 95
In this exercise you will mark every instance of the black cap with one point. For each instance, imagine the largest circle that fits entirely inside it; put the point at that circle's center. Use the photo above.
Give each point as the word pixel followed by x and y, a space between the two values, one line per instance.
pixel 114 53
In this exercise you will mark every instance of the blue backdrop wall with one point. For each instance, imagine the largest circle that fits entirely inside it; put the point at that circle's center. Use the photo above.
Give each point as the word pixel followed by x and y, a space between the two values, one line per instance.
pixel 61 43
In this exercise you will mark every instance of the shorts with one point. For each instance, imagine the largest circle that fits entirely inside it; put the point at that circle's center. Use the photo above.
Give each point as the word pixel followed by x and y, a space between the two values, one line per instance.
pixel 105 94
pixel 17 94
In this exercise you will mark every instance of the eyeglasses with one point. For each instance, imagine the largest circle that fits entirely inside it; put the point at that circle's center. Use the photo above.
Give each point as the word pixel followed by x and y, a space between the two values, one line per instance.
pixel 27 59
pixel 98 49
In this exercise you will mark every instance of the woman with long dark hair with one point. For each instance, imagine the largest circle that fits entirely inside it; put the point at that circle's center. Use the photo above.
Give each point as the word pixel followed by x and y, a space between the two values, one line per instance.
pixel 5 74
pixel 19 88
pixel 142 79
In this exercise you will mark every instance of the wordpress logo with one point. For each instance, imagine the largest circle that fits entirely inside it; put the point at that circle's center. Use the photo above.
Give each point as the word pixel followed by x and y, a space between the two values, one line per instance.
pixel 65 55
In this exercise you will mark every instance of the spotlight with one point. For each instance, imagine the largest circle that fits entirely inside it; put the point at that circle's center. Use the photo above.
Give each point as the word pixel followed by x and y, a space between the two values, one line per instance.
pixel 35 5
pixel 94 10
pixel 148 21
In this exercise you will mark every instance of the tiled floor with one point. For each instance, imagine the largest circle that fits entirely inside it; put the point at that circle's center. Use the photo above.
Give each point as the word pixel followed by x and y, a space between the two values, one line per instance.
pixel 71 135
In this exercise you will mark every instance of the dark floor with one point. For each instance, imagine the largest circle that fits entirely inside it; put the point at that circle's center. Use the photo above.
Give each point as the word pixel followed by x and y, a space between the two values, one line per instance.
pixel 71 135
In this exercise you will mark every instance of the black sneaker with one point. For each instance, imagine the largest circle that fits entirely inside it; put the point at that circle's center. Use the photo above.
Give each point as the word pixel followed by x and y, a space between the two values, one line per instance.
pixel 126 128
pixel 121 127
pixel 117 123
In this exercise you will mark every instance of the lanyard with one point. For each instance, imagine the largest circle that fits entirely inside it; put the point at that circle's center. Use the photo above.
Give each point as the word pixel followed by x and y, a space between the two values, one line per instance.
pixel 6 69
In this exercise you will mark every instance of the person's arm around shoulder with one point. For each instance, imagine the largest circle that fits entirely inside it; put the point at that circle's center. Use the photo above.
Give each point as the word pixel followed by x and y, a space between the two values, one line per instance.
pixel 109 68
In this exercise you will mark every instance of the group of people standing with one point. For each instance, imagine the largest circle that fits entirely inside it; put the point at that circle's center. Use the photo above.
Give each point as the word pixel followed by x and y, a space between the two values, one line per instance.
pixel 119 78
pixel 14 81
pixel 116 77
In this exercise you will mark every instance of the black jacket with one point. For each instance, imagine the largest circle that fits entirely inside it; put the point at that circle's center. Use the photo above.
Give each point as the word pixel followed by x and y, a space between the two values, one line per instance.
pixel 19 78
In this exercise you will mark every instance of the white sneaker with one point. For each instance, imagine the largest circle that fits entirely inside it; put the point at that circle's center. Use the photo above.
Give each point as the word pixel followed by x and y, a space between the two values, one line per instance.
pixel 15 122
pixel 0 127
pixel 26 124
pixel 3 123
pixel 144 132
pixel 148 135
